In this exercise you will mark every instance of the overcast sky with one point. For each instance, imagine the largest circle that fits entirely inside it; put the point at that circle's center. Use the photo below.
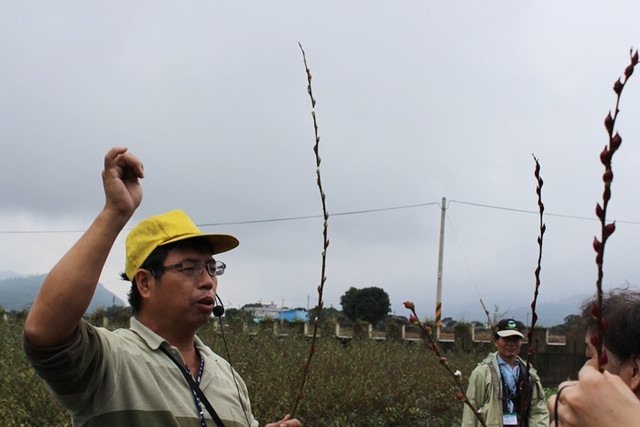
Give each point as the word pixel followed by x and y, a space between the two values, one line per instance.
pixel 416 101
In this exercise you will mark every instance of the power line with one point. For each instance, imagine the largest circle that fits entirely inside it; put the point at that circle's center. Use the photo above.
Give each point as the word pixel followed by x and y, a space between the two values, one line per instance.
pixel 537 212
pixel 357 212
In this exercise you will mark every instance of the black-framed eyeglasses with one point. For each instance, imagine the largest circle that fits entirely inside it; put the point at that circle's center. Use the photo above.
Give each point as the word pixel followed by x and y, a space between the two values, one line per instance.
pixel 190 268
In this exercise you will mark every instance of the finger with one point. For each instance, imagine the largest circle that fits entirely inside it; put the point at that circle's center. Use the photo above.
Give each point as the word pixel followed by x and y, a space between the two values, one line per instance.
pixel 132 166
pixel 564 414
pixel 566 383
pixel 551 405
pixel 112 155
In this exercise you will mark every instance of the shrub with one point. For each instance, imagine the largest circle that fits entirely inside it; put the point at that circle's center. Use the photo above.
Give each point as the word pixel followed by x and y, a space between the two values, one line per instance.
pixel 364 383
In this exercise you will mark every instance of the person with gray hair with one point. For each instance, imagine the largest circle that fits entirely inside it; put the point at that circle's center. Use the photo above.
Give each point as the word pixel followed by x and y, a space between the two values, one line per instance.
pixel 598 399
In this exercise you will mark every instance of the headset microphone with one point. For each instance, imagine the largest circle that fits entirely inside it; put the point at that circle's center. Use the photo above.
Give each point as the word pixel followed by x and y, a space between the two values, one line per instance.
pixel 218 310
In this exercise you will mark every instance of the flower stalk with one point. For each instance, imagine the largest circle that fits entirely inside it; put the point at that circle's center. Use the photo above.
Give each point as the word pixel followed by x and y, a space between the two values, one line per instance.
pixel 607 229
pixel 534 315
pixel 435 347
pixel 306 365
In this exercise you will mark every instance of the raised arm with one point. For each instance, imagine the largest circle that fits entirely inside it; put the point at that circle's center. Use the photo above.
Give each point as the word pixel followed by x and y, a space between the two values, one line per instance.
pixel 70 285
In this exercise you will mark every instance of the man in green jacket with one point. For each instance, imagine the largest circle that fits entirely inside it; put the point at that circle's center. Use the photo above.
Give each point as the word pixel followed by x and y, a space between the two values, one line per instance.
pixel 494 385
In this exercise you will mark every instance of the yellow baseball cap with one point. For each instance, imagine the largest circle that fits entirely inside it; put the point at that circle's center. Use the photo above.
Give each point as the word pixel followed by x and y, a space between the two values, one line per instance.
pixel 167 228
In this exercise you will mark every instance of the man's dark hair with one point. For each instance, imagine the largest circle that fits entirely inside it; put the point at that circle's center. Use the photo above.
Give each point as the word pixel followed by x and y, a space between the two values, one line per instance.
pixel 621 309
pixel 155 261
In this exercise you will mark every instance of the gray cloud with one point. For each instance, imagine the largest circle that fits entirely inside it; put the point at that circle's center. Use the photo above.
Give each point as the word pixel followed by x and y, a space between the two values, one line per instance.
pixel 415 102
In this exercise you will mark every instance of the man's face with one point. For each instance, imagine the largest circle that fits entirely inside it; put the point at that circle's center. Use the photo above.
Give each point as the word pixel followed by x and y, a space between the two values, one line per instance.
pixel 508 347
pixel 186 298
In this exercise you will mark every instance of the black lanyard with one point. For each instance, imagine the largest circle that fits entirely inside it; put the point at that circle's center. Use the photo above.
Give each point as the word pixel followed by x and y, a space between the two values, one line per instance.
pixel 195 388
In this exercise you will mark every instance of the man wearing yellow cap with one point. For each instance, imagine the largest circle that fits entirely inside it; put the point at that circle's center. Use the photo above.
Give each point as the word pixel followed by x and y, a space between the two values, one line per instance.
pixel 495 385
pixel 157 372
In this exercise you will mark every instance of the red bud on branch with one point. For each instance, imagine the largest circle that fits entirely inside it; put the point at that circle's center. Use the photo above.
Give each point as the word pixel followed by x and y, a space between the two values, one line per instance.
pixel 605 156
pixel 597 246
pixel 603 358
pixel 615 142
pixel 617 87
pixel 608 123
pixel 409 305
pixel 609 229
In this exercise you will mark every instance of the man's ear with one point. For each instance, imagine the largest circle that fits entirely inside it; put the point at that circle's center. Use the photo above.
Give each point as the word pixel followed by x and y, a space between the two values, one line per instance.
pixel 635 375
pixel 144 279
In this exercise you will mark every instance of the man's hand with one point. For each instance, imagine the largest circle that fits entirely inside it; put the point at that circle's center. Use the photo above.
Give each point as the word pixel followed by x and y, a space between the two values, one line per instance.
pixel 68 288
pixel 285 422
pixel 120 179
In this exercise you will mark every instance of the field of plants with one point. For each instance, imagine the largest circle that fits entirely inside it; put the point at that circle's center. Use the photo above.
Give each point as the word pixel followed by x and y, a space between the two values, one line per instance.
pixel 363 383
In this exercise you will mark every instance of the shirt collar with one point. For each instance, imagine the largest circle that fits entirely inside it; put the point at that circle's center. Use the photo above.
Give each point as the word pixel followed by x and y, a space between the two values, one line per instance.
pixel 152 339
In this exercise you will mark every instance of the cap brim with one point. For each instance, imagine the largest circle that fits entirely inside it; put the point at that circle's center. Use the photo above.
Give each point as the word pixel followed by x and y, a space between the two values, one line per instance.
pixel 511 333
pixel 220 242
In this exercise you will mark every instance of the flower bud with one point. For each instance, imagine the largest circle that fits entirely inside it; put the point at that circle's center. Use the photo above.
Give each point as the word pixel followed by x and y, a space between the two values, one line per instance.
pixel 460 396
pixel 609 229
pixel 443 360
pixel 457 374
pixel 599 211
pixel 409 305
pixel 615 142
pixel 608 123
pixel 603 358
pixel 413 319
pixel 628 71
pixel 599 258
pixel 597 246
pixel 617 87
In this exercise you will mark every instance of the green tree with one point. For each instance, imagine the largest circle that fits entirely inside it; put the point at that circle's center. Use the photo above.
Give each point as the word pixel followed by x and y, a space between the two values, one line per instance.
pixel 327 313
pixel 572 323
pixel 369 304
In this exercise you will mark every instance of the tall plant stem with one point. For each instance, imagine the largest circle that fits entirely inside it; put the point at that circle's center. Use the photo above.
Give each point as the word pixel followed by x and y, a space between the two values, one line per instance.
pixel 534 315
pixel 606 229
pixel 323 278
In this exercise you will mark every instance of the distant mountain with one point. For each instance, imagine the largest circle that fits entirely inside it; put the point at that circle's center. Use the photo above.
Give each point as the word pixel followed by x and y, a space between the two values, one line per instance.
pixel 8 274
pixel 18 293
pixel 550 313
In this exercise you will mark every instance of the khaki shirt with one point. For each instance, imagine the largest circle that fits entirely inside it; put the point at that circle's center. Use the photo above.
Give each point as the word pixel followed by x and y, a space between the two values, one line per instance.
pixel 117 378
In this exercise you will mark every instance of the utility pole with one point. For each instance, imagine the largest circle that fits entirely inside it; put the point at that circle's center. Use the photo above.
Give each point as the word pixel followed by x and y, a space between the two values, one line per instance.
pixel 439 283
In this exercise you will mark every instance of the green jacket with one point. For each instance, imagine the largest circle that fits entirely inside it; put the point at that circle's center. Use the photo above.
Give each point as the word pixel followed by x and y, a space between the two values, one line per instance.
pixel 485 389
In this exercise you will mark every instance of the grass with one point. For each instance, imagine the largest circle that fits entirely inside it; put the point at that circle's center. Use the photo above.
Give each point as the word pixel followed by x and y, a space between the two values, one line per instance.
pixel 363 383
